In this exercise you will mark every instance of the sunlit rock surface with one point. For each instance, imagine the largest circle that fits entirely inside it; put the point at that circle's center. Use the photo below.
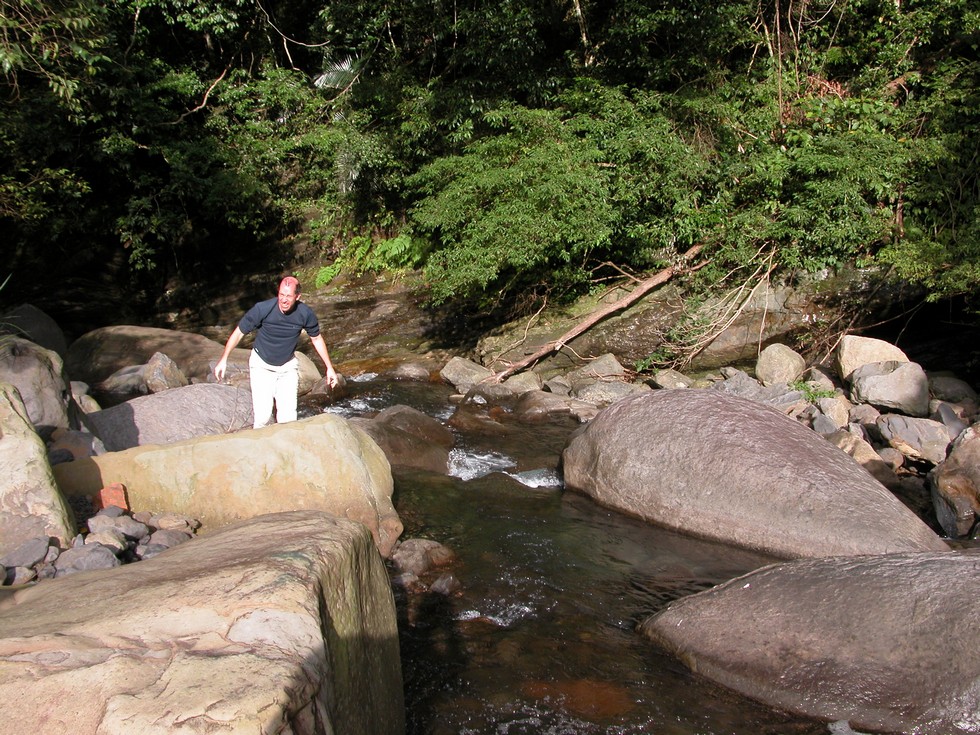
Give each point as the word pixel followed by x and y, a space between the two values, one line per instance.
pixel 884 642
pixel 323 463
pixel 283 624
pixel 726 468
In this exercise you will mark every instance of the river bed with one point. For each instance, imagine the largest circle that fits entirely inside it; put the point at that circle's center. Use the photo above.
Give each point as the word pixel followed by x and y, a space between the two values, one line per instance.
pixel 540 637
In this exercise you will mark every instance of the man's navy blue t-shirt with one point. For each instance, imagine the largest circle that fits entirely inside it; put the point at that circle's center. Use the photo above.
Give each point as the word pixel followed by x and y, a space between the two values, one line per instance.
pixel 278 333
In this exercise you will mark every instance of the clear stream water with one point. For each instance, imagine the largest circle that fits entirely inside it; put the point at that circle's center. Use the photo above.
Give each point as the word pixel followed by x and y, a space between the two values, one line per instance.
pixel 540 638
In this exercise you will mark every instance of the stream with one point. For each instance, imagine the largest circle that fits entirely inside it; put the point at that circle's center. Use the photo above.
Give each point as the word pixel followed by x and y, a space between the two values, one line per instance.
pixel 540 637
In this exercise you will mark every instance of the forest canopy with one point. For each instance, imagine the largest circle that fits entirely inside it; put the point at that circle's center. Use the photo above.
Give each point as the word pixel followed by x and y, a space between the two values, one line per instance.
pixel 506 150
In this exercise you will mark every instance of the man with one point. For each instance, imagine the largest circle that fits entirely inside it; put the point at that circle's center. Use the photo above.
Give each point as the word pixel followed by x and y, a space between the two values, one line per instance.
pixel 273 367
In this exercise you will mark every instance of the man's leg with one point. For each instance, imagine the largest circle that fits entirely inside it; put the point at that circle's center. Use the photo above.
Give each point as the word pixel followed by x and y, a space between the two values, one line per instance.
pixel 287 386
pixel 262 378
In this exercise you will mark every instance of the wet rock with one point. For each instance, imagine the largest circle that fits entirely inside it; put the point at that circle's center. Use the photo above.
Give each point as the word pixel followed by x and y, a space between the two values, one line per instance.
pixel 720 467
pixel 895 386
pixel 837 638
pixel 779 364
pixel 409 438
pixel 446 585
pixel 523 382
pixel 419 556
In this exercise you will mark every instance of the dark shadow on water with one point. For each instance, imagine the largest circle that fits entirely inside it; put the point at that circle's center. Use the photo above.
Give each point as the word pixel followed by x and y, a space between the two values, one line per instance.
pixel 433 651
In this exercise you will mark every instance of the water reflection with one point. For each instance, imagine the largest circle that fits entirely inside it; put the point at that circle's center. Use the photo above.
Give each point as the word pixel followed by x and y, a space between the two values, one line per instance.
pixel 541 638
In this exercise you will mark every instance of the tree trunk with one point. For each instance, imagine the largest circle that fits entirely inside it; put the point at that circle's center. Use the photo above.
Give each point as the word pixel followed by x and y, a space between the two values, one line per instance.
pixel 595 317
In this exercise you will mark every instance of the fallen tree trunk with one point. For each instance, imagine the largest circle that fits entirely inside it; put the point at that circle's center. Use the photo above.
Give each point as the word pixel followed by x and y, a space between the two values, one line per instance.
pixel 644 287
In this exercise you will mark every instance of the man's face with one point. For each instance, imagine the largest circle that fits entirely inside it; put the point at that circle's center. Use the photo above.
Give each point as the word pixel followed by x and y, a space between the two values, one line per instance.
pixel 287 298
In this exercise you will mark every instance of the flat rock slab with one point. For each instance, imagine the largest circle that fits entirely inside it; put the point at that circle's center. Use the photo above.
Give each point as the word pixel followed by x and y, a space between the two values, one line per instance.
pixel 285 623
pixel 885 642
pixel 729 469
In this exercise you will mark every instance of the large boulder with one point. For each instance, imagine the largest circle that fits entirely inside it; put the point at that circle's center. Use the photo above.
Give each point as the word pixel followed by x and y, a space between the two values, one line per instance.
pixel 854 352
pixel 730 469
pixel 321 463
pixel 893 385
pixel 38 374
pixel 29 322
pixel 30 505
pixel 95 356
pixel 410 438
pixel 955 485
pixel 173 415
pixel 283 624
pixel 882 642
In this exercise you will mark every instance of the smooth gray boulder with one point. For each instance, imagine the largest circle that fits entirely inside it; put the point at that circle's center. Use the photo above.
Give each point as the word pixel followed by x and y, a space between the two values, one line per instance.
pixel 894 386
pixel 726 468
pixel 39 377
pixel 410 438
pixel 203 409
pixel 283 624
pixel 882 642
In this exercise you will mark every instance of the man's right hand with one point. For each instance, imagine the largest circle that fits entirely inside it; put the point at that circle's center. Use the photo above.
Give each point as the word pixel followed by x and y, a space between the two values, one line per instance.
pixel 219 369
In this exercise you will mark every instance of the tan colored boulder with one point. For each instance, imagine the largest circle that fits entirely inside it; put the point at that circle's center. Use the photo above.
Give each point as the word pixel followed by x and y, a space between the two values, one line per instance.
pixel 283 624
pixel 727 468
pixel 95 356
pixel 322 463
pixel 30 504
pixel 854 352
pixel 882 642
pixel 779 364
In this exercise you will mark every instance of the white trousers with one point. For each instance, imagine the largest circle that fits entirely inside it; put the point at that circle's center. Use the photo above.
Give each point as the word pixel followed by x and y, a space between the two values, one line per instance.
pixel 277 384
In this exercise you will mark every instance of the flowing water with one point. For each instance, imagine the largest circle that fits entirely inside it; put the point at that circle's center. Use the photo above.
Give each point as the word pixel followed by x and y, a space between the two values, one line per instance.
pixel 540 637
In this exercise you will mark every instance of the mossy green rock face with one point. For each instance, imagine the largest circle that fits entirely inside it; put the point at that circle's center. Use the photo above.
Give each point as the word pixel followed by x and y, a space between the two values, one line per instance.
pixel 726 468
pixel 322 463
pixel 884 642
pixel 284 623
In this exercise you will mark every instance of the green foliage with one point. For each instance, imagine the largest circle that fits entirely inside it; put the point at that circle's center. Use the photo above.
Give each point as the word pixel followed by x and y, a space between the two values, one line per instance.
pixel 505 148
pixel 526 200
pixel 811 391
